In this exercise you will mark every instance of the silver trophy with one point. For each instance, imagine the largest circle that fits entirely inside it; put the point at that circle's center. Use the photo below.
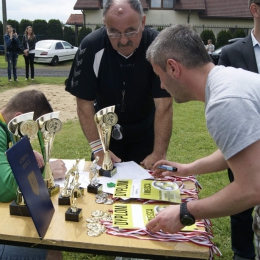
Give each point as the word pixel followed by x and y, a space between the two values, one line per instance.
pixel 49 125
pixel 94 186
pixel 105 119
pixel 19 127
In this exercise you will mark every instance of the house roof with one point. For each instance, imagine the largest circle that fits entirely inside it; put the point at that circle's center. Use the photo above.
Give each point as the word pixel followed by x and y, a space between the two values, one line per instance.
pixel 226 9
pixel 75 19
pixel 184 5
pixel 87 5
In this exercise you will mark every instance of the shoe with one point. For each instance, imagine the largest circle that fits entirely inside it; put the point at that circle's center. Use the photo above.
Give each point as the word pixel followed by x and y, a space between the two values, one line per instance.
pixel 16 80
pixel 10 79
pixel 32 79
pixel 25 78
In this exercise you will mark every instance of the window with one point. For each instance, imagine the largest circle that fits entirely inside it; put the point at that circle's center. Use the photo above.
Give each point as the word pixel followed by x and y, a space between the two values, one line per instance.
pixel 67 45
pixel 166 4
pixel 59 46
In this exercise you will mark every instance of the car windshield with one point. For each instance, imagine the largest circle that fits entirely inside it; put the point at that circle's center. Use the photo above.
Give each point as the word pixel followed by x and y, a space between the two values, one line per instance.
pixel 44 45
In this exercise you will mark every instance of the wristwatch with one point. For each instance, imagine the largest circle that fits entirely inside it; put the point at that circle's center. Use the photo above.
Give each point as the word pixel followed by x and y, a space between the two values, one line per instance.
pixel 185 217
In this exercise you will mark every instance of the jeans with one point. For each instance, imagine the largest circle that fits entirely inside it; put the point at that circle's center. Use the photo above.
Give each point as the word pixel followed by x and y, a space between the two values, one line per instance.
pixel 12 61
pixel 242 235
pixel 21 253
pixel 29 62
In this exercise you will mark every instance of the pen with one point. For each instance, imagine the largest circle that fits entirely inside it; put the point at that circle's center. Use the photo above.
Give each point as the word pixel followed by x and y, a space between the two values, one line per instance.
pixel 167 168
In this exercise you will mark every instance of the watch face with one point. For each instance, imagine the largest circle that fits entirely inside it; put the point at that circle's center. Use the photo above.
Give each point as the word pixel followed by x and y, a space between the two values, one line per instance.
pixel 187 220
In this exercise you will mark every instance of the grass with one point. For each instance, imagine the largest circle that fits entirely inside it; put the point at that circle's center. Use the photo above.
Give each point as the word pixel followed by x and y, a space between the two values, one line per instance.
pixel 190 141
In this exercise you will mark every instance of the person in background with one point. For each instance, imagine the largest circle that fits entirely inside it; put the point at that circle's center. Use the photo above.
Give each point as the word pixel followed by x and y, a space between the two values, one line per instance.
pixel 232 112
pixel 12 51
pixel 210 47
pixel 29 41
pixel 245 54
pixel 23 102
pixel 110 69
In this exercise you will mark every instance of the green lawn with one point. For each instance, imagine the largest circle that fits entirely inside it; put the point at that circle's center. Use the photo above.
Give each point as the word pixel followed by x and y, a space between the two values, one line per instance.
pixel 190 141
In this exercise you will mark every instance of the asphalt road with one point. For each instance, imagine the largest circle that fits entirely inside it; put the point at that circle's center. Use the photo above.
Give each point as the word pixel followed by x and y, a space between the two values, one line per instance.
pixel 49 71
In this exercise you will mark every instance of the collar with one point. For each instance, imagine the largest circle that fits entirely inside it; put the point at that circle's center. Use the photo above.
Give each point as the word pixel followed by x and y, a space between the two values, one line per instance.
pixel 254 41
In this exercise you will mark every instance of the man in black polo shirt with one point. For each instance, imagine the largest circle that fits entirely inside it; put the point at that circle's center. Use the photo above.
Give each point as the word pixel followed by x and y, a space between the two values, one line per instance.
pixel 110 68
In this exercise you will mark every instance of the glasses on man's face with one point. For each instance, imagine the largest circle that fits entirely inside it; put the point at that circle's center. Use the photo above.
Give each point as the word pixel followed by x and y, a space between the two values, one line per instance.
pixel 127 35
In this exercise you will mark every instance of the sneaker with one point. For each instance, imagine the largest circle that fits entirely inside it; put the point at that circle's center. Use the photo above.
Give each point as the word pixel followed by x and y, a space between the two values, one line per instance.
pixel 25 78
pixel 10 79
pixel 32 79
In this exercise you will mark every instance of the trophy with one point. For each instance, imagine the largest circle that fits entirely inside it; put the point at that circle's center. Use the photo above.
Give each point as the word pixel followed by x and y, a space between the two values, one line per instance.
pixel 64 197
pixel 94 186
pixel 19 127
pixel 49 124
pixel 105 119
pixel 74 213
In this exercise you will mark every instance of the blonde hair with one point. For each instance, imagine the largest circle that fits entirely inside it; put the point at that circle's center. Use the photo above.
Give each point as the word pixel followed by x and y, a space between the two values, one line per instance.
pixel 26 31
pixel 7 27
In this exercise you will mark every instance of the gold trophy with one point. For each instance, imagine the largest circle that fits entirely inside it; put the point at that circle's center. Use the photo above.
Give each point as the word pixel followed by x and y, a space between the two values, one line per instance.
pixel 94 186
pixel 49 125
pixel 19 127
pixel 105 119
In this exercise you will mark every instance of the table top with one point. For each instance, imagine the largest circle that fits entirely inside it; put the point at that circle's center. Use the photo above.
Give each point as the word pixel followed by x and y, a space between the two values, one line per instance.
pixel 73 235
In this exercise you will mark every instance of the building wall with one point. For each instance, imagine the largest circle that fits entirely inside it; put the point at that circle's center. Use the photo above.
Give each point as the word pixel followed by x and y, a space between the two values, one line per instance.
pixel 158 18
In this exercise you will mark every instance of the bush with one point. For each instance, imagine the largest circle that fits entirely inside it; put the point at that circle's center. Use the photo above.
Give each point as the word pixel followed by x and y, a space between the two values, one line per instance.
pixel 206 35
pixel 23 24
pixel 54 30
pixel 40 29
pixel 160 28
pixel 239 33
pixel 83 33
pixel 223 37
pixel 69 35
pixel 15 24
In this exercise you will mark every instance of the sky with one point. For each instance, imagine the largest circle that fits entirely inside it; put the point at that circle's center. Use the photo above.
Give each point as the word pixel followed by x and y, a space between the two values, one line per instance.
pixel 39 9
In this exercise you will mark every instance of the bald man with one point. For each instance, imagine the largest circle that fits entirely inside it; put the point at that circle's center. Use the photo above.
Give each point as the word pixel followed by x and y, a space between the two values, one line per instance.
pixel 110 68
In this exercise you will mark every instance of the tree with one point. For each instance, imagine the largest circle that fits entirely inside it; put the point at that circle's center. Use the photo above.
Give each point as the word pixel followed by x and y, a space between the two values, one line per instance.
pixel 54 30
pixel 23 24
pixel 1 33
pixel 206 35
pixel 83 32
pixel 239 33
pixel 40 29
pixel 14 24
pixel 223 37
pixel 69 35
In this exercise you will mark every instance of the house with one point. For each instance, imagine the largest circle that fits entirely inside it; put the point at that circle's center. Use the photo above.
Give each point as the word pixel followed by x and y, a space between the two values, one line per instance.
pixel 202 14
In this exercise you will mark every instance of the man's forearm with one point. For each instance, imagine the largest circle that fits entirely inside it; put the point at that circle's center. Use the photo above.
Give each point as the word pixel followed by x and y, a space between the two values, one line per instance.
pixel 162 126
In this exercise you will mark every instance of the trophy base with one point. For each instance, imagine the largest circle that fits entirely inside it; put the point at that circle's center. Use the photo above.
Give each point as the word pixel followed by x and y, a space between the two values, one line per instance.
pixel 73 216
pixel 63 200
pixel 95 189
pixel 19 210
pixel 53 191
pixel 107 173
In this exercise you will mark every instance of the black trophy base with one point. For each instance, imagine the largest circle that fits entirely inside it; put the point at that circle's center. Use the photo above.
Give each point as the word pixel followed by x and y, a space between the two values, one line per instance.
pixel 96 189
pixel 53 191
pixel 19 210
pixel 107 173
pixel 63 200
pixel 73 216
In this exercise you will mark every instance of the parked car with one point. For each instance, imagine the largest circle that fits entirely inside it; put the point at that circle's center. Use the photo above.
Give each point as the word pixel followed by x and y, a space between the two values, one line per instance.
pixel 54 51
pixel 2 49
pixel 216 54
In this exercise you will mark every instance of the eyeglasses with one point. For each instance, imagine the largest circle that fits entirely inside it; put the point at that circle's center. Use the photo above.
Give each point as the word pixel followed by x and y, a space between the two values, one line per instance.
pixel 127 35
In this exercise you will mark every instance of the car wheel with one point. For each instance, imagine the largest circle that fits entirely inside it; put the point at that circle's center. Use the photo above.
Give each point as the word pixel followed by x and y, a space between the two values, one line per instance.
pixel 54 61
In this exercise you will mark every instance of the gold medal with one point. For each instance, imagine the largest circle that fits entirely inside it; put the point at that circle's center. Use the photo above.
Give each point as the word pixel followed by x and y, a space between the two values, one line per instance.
pixel 53 125
pixel 110 118
pixel 29 128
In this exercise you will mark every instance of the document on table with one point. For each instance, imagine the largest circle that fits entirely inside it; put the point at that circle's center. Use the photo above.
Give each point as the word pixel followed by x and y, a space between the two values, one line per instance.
pixel 125 170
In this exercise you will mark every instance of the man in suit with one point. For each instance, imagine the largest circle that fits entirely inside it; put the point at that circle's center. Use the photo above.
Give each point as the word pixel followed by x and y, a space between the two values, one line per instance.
pixel 244 54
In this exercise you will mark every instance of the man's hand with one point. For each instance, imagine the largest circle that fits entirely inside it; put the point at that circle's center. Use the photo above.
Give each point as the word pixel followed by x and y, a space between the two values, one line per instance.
pixel 150 160
pixel 39 159
pixel 58 169
pixel 167 220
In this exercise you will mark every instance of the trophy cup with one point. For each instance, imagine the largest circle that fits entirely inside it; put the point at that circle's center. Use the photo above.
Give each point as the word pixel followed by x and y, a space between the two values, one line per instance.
pixel 19 127
pixel 64 197
pixel 94 186
pixel 49 124
pixel 105 119
pixel 74 213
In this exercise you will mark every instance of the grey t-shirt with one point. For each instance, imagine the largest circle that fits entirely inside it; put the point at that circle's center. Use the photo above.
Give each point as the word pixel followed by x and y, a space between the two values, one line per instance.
pixel 232 108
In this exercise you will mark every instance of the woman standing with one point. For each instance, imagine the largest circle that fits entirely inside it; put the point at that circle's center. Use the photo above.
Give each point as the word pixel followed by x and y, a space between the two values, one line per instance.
pixel 29 41
pixel 12 47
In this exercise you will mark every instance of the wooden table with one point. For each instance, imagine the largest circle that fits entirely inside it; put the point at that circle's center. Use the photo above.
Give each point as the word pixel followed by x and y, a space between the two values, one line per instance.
pixel 71 236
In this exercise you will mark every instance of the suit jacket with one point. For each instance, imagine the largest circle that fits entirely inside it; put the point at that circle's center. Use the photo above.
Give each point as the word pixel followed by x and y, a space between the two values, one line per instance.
pixel 239 54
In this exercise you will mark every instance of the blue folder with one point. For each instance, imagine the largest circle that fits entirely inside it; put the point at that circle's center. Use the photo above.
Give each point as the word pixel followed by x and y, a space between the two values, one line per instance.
pixel 29 179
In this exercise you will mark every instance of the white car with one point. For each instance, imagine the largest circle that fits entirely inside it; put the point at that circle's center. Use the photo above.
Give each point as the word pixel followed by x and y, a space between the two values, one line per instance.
pixel 53 51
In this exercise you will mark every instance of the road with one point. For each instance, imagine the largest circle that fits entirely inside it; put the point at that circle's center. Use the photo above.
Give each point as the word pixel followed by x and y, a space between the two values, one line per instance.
pixel 49 71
